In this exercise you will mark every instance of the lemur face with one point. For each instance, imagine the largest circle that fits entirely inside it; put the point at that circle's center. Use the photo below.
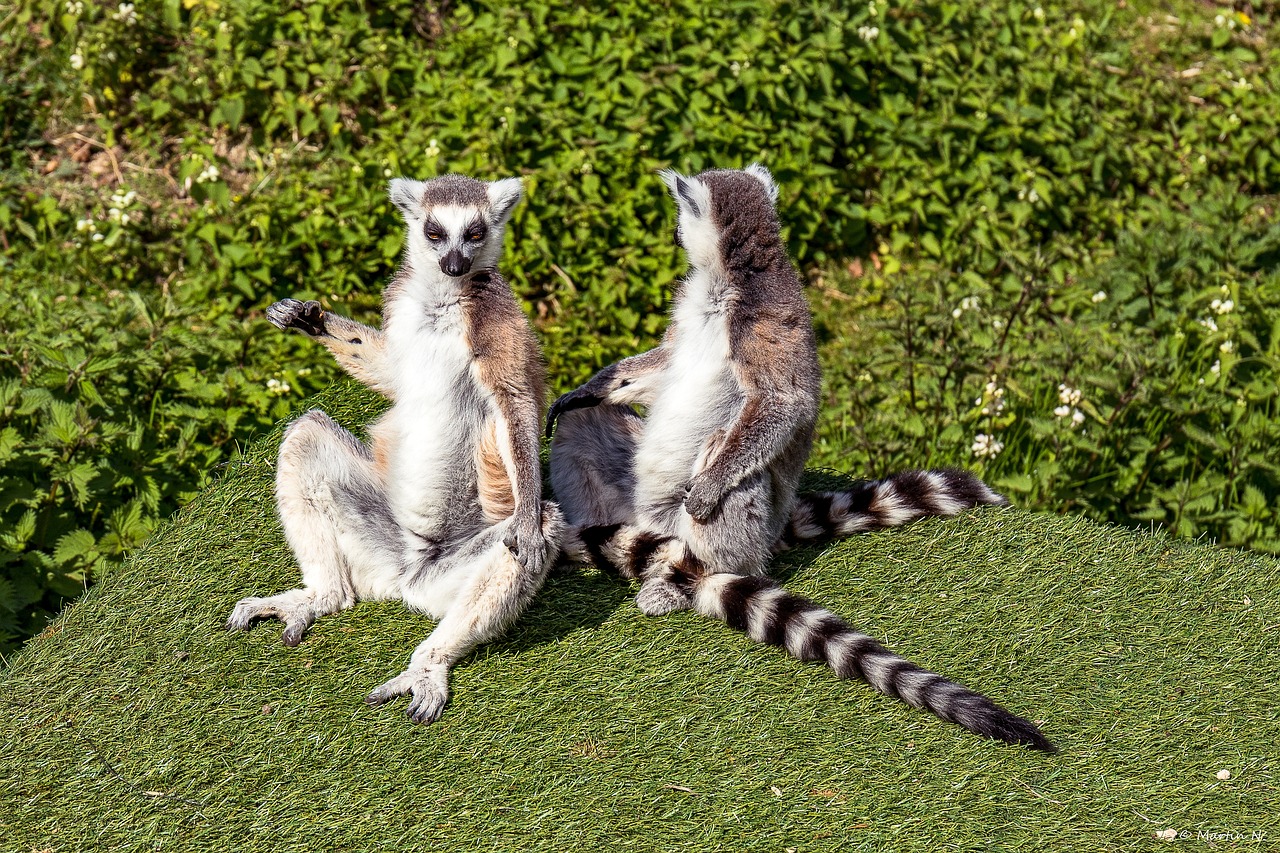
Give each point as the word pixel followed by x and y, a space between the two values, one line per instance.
pixel 455 223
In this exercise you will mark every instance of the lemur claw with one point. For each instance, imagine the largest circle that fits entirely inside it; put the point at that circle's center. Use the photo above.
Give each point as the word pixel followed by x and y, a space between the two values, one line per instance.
pixel 306 317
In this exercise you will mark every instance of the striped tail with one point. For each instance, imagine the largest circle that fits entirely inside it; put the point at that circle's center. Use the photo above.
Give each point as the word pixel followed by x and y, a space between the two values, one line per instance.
pixel 769 614
pixel 896 500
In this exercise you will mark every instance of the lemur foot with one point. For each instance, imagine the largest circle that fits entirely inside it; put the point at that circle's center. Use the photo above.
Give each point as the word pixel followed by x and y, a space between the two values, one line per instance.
pixel 306 317
pixel 429 689
pixel 659 597
pixel 296 615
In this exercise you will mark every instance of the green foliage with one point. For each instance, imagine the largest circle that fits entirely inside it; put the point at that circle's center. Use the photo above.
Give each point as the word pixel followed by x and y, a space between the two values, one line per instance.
pixel 114 408
pixel 205 157
pixel 1145 391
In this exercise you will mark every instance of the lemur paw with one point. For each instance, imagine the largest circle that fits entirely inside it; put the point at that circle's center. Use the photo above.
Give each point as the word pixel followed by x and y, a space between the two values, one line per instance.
pixel 428 689
pixel 575 399
pixel 700 501
pixel 306 317
pixel 296 617
pixel 660 597
pixel 527 544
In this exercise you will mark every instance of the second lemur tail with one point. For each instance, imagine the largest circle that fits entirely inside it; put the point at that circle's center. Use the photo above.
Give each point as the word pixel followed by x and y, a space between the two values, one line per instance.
pixel 769 614
pixel 896 500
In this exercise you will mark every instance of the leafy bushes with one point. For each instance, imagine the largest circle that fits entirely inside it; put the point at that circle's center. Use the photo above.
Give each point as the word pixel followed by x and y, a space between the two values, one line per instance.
pixel 202 158
pixel 1145 391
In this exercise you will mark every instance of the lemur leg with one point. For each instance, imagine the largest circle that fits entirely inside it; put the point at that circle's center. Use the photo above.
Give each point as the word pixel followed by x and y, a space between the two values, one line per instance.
pixel 593 465
pixel 479 589
pixel 734 541
pixel 336 520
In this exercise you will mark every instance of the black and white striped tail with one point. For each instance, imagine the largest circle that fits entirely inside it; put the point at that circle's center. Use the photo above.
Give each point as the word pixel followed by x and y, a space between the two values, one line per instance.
pixel 896 500
pixel 769 614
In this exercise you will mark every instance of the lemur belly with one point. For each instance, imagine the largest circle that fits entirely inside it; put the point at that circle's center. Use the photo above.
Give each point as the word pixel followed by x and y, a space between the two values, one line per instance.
pixel 433 431
pixel 699 395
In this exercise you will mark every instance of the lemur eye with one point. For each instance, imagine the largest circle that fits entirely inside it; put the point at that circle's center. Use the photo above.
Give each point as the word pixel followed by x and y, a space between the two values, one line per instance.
pixel 475 236
pixel 434 235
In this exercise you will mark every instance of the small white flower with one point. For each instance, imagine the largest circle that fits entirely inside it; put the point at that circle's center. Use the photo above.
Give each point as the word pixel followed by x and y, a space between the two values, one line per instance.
pixel 1216 367
pixel 985 446
pixel 872 10
pixel 1077 418
pixel 1062 411
pixel 868 34
pixel 304 371
pixel 433 148
pixel 1033 196
pixel 512 42
pixel 77 61
pixel 125 14
pixel 1100 296
pixel 277 388
pixel 735 68
pixel 1226 347
pixel 97 238
pixel 1069 396
pixel 956 312
pixel 1233 119
pixel 1224 307
pixel 1209 323
pixel 1037 13
pixel 86 224
pixel 208 174
pixel 1223 775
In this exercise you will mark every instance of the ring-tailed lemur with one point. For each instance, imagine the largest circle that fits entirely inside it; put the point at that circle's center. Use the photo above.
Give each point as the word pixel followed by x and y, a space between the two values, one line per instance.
pixel 693 498
pixel 442 508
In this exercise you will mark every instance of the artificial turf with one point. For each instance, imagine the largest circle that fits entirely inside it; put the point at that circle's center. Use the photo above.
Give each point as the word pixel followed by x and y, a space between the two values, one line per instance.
pixel 136 722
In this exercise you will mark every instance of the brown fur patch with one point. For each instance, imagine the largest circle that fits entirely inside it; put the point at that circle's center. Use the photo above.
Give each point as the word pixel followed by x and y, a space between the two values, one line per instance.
pixel 497 500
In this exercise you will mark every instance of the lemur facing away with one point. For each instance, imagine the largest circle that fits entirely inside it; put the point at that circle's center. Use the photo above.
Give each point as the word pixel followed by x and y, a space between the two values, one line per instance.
pixel 441 508
pixel 693 498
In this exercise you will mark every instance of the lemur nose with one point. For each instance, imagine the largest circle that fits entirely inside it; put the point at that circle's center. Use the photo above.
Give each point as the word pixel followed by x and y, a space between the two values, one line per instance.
pixel 455 264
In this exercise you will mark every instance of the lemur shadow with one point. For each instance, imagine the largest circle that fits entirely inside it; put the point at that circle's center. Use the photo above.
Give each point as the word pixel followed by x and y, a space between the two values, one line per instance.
pixel 573 598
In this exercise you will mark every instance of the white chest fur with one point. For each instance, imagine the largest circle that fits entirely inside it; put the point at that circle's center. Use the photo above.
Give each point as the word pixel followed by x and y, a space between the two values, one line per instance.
pixel 698 395
pixel 438 416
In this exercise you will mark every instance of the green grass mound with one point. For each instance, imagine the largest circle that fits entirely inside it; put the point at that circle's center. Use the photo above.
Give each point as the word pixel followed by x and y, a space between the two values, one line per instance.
pixel 137 722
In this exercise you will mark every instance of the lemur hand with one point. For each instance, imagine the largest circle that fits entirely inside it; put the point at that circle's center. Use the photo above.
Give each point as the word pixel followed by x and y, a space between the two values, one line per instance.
pixel 579 398
pixel 306 317
pixel 526 543
pixel 702 499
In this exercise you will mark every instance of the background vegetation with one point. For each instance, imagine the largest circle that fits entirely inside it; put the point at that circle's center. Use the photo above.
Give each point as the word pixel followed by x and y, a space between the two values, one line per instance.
pixel 1041 240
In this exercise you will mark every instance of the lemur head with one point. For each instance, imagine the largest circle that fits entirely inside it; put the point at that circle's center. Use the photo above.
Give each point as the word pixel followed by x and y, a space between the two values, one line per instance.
pixel 455 222
pixel 723 212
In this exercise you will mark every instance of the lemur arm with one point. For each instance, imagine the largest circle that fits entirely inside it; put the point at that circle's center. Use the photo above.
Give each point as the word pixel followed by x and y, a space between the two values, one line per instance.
pixel 508 365
pixel 359 349
pixel 779 406
pixel 628 381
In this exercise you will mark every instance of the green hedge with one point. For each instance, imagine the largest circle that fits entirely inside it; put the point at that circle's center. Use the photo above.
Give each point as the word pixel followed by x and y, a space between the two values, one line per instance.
pixel 954 144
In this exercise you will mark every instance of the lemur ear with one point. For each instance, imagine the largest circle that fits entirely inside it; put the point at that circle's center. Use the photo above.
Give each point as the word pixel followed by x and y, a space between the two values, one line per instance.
pixel 691 195
pixel 761 174
pixel 504 195
pixel 407 195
